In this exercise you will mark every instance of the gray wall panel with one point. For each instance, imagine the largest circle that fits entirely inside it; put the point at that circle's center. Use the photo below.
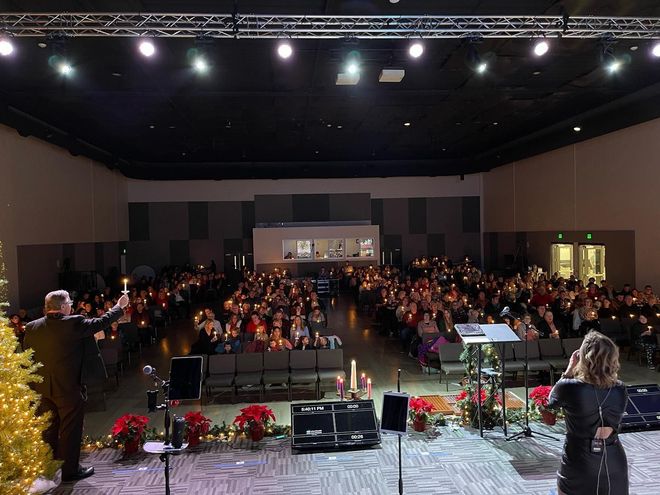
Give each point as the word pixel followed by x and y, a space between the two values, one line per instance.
pixel 273 208
pixel 311 207
pixel 395 216
pixel 198 220
pixel 444 215
pixel 350 206
pixel 471 214
pixel 225 219
pixel 168 221
pixel 417 215
pixel 138 221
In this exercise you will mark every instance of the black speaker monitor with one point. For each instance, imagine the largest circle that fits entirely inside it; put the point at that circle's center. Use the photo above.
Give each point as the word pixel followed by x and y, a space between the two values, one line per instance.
pixel 394 417
pixel 186 378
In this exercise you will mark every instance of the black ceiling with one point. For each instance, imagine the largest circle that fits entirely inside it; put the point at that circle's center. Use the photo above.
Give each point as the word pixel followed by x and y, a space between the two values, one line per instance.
pixel 254 115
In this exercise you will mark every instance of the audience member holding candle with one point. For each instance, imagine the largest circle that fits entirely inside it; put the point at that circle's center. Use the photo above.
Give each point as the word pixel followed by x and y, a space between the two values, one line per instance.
pixel 207 340
pixel 304 344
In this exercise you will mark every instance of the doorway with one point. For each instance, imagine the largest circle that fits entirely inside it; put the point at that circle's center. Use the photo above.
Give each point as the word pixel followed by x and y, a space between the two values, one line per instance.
pixel 592 262
pixel 562 259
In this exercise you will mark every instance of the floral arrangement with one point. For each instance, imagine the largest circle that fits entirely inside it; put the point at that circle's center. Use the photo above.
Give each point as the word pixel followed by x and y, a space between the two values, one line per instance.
pixel 197 425
pixel 253 416
pixel 539 397
pixel 130 428
pixel 419 409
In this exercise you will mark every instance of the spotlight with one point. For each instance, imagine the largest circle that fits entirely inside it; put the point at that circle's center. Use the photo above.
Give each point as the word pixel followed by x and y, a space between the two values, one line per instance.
pixel 541 48
pixel 6 47
pixel 285 50
pixel 655 51
pixel 65 68
pixel 481 68
pixel 613 66
pixel 200 65
pixel 147 48
pixel 416 49
pixel 352 68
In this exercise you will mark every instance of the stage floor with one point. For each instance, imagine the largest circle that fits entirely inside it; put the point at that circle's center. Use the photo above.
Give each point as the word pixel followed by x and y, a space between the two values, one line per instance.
pixel 447 461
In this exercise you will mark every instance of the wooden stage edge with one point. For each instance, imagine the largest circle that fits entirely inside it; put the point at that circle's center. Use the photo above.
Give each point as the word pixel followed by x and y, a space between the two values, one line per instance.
pixel 446 404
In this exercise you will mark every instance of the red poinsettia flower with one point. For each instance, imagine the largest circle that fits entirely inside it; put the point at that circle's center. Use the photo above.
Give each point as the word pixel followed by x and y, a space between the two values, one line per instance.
pixel 252 415
pixel 197 422
pixel 129 427
pixel 540 395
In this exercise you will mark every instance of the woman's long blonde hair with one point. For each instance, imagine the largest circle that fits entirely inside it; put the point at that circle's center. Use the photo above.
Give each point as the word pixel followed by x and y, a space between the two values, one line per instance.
pixel 599 361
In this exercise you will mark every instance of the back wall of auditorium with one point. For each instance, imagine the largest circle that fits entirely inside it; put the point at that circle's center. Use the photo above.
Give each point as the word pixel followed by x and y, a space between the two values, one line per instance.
pixel 65 212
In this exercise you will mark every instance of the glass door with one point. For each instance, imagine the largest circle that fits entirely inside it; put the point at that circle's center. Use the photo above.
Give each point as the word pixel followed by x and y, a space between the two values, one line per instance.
pixel 562 259
pixel 592 262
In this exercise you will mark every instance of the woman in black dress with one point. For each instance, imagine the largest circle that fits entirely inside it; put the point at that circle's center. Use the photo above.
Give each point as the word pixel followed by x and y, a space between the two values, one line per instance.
pixel 594 401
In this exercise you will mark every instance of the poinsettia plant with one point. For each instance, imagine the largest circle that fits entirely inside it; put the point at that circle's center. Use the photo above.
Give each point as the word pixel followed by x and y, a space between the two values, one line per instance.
pixel 539 397
pixel 419 409
pixel 130 428
pixel 196 423
pixel 254 415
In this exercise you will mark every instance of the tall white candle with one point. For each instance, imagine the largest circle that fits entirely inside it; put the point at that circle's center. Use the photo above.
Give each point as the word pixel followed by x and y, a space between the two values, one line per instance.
pixel 125 285
pixel 235 266
pixel 353 375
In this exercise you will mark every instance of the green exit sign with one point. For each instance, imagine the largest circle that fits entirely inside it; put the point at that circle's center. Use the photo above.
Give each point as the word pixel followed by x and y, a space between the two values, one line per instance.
pixel 560 235
pixel 589 236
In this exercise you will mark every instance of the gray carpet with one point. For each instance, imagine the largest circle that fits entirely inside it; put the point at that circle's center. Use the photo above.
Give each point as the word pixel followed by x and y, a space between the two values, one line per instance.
pixel 453 461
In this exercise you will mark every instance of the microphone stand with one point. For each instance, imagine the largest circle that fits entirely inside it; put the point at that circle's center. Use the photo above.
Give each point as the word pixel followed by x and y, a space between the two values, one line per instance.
pixel 527 432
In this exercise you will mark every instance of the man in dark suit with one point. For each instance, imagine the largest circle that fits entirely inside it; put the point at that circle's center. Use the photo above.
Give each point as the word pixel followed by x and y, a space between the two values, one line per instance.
pixel 57 340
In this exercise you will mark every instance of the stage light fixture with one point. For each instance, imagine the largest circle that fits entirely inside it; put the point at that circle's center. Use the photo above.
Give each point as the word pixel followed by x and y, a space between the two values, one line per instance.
pixel 613 66
pixel 284 50
pixel 352 67
pixel 474 60
pixel 416 49
pixel 65 69
pixel 481 68
pixel 541 48
pixel 200 65
pixel 6 47
pixel 655 51
pixel 147 48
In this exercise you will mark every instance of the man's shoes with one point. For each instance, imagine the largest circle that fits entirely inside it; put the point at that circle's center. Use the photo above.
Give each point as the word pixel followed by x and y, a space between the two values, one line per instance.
pixel 81 474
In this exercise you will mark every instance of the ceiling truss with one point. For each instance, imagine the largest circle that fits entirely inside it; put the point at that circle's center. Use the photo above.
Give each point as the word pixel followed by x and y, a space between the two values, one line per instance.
pixel 172 25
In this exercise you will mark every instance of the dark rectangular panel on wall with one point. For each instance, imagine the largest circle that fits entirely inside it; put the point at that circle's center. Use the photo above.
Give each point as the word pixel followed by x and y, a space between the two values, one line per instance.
pixel 198 220
pixel 392 242
pixel 99 258
pixel 247 212
pixel 311 207
pixel 350 206
pixel 168 221
pixel 471 214
pixel 233 245
pixel 417 215
pixel 377 213
pixel 138 221
pixel 273 208
pixel 436 244
pixel 395 216
pixel 443 215
pixel 179 252
pixel 225 219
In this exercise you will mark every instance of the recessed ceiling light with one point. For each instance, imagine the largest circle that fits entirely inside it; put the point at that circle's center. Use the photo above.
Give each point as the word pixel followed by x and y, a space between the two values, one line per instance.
pixel 41 44
pixel 328 125
pixel 577 128
pixel 459 123
pixel 172 127
pixel 634 48
pixel 117 74
pixel 407 124
pixel 536 73
pixel 444 149
pixel 496 123
pixel 151 126
pixel 316 152
pixel 340 127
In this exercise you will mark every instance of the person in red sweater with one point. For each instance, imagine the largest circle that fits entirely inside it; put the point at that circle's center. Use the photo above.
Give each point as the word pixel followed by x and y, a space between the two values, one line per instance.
pixel 541 297
pixel 254 326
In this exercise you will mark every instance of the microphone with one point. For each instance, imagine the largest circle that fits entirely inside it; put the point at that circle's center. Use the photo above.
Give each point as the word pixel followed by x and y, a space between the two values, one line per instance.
pixel 504 312
pixel 151 371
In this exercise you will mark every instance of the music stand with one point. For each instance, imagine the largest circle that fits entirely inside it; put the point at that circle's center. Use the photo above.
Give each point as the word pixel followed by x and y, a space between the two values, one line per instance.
pixel 185 383
pixel 476 334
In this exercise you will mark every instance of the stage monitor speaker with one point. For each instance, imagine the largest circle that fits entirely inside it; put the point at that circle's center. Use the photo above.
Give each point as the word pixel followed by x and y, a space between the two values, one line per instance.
pixel 643 408
pixel 178 431
pixel 334 425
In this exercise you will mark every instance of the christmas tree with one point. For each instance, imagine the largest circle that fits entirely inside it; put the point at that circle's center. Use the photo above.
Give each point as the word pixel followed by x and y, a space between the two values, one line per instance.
pixel 23 454
pixel 466 400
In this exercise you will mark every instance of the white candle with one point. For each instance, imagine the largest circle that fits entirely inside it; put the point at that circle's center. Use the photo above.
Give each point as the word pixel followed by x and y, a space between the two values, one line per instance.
pixel 243 260
pixel 125 285
pixel 368 388
pixel 353 375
